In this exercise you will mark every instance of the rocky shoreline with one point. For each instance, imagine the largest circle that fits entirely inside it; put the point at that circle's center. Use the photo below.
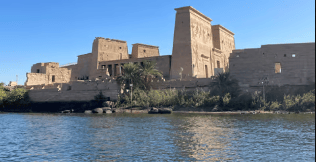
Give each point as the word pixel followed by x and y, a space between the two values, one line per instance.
pixel 153 110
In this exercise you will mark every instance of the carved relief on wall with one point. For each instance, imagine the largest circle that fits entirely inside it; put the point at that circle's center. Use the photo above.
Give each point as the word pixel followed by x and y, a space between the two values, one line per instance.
pixel 196 58
pixel 227 43
pixel 201 32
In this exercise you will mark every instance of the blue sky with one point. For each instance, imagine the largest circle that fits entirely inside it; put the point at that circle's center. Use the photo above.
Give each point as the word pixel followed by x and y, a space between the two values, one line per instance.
pixel 59 31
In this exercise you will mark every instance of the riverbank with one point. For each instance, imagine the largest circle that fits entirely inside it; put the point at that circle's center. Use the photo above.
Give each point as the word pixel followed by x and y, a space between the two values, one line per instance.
pixel 184 110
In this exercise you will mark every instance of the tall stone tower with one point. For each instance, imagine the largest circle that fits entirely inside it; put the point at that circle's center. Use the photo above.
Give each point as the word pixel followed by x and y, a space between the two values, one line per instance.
pixel 192 44
pixel 106 50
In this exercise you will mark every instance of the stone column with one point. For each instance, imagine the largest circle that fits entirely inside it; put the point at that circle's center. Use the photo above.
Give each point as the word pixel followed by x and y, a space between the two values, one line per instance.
pixel 107 71
pixel 120 69
pixel 113 67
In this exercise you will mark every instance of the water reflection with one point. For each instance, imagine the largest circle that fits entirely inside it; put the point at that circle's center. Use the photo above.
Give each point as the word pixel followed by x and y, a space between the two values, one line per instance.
pixel 206 138
pixel 143 137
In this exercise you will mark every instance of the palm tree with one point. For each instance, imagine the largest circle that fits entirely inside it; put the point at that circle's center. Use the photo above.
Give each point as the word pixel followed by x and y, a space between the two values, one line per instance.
pixel 149 71
pixel 223 84
pixel 132 75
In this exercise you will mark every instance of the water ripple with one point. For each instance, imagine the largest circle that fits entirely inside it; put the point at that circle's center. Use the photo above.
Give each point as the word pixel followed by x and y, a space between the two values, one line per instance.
pixel 144 137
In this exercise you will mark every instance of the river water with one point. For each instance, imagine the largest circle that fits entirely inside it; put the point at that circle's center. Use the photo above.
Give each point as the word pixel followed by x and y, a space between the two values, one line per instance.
pixel 150 137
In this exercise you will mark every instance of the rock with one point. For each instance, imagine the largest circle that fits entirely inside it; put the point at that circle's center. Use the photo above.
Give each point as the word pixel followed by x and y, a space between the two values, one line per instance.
pixel 153 111
pixel 118 110
pixel 106 109
pixel 66 111
pixel 98 110
pixel 164 111
pixel 87 111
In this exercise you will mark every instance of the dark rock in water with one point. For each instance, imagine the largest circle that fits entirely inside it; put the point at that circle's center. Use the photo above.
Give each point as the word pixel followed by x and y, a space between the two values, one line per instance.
pixel 87 111
pixel 164 111
pixel 106 109
pixel 160 111
pixel 66 111
pixel 98 110
pixel 153 111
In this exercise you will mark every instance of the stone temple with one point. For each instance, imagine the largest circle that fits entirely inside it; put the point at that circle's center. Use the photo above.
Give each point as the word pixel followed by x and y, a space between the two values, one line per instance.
pixel 200 50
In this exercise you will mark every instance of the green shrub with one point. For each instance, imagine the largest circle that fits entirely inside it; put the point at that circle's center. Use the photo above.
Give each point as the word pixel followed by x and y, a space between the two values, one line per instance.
pixel 308 101
pixel 226 99
pixel 275 105
pixel 3 96
pixel 18 98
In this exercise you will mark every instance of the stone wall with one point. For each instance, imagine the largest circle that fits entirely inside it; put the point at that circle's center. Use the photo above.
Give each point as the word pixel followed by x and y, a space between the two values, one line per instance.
pixel 81 70
pixel 199 47
pixel 106 50
pixel 201 44
pixel 181 53
pixel 225 42
pixel 38 68
pixel 188 83
pixel 35 79
pixel 252 66
pixel 144 50
pixel 49 73
pixel 75 91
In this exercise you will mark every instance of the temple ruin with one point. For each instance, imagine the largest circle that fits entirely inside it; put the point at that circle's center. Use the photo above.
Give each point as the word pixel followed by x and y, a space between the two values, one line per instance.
pixel 200 51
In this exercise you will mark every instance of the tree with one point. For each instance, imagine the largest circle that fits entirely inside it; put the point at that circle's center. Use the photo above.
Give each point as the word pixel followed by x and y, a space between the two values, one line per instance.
pixel 149 71
pixel 18 98
pixel 132 75
pixel 3 93
pixel 223 84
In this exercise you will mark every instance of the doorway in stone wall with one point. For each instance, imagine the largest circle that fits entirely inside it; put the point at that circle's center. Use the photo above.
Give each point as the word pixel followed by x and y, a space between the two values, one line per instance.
pixel 206 71
pixel 53 78
pixel 110 70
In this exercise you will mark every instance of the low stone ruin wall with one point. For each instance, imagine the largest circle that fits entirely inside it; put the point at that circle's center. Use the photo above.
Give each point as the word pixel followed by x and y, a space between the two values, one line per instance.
pixel 188 84
pixel 75 91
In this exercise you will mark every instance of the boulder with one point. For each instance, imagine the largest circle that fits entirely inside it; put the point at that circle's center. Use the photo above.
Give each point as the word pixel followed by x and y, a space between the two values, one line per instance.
pixel 87 111
pixel 106 109
pixel 164 111
pixel 118 110
pixel 98 110
pixel 153 111
pixel 66 111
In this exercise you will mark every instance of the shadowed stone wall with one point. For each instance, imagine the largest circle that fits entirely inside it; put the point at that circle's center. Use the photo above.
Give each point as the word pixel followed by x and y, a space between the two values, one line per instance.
pixel 74 91
pixel 252 66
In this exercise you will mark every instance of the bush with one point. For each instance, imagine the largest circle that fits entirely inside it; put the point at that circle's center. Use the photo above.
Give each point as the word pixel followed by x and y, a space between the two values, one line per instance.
pixel 17 98
pixel 3 96
pixel 200 98
pixel 308 101
pixel 275 105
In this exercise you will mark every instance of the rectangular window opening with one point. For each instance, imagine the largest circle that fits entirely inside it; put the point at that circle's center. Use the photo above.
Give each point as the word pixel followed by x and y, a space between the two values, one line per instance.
pixel 277 67
pixel 38 70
